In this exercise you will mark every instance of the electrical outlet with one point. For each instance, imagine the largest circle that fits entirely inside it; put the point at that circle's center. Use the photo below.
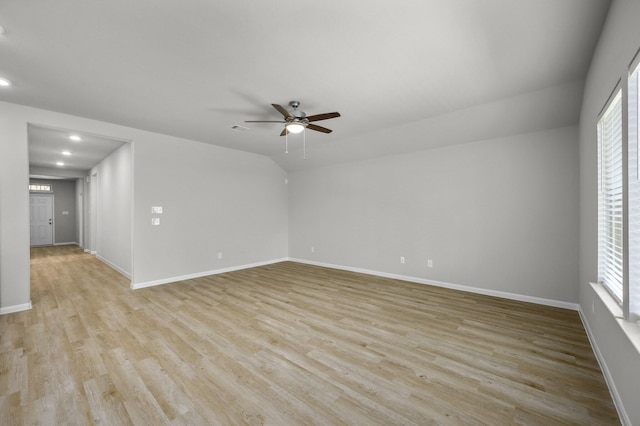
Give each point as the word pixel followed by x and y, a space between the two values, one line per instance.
pixel 429 263
pixel 401 259
pixel 313 249
pixel 219 255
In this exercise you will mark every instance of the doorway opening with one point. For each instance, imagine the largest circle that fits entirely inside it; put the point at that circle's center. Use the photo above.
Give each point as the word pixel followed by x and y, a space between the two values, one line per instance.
pixel 80 167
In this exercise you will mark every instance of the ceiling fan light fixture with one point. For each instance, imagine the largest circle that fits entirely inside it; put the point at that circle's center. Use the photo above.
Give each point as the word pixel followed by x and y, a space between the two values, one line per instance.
pixel 295 127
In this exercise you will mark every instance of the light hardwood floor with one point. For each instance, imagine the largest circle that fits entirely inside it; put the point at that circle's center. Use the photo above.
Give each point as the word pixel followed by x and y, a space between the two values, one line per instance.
pixel 287 344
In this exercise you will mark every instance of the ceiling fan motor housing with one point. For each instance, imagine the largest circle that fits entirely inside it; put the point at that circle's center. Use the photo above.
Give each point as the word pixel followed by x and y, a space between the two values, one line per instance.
pixel 297 114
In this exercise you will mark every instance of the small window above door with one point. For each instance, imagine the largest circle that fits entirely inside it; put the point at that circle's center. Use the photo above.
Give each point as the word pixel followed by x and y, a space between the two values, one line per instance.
pixel 40 187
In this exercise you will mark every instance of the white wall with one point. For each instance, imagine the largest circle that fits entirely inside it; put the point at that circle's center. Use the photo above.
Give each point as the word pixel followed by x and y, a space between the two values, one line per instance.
pixel 214 200
pixel 114 203
pixel 80 211
pixel 240 210
pixel 14 212
pixel 498 214
pixel 619 42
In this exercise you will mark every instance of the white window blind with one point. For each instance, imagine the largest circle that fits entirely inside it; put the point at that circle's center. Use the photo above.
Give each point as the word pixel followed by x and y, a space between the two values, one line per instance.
pixel 610 201
pixel 634 195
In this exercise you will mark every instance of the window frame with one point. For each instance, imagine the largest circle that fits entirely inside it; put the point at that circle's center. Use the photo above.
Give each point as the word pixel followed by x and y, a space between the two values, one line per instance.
pixel 631 302
pixel 611 273
pixel 37 187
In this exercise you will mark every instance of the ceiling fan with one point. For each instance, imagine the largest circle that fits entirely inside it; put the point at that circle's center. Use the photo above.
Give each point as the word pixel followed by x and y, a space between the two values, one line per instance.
pixel 296 121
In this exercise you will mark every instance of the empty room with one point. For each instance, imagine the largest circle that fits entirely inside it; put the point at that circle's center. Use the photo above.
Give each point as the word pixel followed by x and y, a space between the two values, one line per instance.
pixel 342 212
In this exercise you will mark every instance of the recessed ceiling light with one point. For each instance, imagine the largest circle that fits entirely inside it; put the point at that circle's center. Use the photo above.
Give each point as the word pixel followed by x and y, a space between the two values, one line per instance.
pixel 66 153
pixel 75 138
pixel 59 163
pixel 4 82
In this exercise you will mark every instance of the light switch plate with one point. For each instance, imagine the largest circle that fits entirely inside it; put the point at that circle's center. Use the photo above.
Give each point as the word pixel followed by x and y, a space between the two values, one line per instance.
pixel 155 221
pixel 156 210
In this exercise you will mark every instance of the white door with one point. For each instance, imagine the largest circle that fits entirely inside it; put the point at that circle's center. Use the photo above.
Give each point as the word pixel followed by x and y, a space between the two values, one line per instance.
pixel 41 220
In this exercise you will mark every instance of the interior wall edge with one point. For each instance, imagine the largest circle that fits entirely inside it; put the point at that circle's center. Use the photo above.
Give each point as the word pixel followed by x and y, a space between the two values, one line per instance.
pixel 615 395
pixel 113 266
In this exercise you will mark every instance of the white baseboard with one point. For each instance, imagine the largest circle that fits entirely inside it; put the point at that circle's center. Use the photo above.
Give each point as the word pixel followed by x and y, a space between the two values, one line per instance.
pixel 615 396
pixel 70 243
pixel 116 267
pixel 144 284
pixel 477 290
pixel 15 308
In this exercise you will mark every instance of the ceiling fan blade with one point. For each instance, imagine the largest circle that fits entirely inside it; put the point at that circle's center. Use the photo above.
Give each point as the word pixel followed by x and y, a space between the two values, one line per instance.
pixel 325 116
pixel 319 128
pixel 282 110
pixel 284 132
pixel 254 121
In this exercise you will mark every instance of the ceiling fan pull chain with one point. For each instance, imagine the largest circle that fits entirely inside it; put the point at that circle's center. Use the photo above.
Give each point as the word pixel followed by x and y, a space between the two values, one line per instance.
pixel 286 142
pixel 304 144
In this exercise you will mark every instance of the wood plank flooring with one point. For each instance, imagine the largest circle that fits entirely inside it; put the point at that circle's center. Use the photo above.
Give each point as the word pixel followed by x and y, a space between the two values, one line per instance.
pixel 287 344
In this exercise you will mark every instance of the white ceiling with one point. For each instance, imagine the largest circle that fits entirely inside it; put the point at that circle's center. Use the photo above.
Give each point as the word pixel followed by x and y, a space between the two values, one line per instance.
pixel 194 69
pixel 46 145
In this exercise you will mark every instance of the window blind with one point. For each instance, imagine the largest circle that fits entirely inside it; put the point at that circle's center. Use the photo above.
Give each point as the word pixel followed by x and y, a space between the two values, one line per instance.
pixel 610 198
pixel 634 195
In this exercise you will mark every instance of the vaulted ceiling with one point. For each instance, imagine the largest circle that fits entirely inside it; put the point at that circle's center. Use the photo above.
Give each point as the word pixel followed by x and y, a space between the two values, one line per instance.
pixel 396 71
